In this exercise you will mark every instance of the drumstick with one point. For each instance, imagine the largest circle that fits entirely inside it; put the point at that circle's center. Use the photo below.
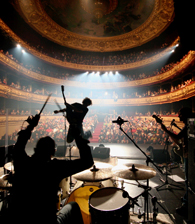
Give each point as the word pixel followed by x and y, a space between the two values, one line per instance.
pixel 45 104
pixel 58 104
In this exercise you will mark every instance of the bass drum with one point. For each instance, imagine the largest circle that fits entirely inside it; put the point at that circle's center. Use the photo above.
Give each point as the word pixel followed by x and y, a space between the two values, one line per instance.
pixel 81 196
pixel 108 205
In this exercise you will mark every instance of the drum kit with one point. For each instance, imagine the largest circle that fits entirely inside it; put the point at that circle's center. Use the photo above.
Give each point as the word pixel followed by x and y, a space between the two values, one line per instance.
pixel 99 197
pixel 97 193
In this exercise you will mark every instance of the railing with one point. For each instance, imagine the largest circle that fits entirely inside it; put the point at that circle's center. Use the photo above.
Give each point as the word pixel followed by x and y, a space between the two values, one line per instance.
pixel 147 81
pixel 180 94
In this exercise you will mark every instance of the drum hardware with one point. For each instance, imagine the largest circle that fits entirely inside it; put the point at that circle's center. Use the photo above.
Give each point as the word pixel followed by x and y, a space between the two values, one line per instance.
pixel 71 184
pixel 155 209
pixel 134 173
pixel 122 184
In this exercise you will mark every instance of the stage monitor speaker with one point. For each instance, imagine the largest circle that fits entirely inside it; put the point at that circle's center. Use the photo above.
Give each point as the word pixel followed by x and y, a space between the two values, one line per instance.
pixel 160 156
pixel 61 151
pixel 101 152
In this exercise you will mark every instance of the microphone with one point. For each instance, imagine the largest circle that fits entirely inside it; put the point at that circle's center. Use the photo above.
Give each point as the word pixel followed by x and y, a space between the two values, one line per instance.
pixel 172 122
pixel 62 88
pixel 125 194
pixel 119 121
pixel 56 111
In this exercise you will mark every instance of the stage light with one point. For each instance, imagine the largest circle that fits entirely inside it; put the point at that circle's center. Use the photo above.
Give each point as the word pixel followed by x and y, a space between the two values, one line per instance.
pixel 18 46
pixel 23 51
pixel 173 51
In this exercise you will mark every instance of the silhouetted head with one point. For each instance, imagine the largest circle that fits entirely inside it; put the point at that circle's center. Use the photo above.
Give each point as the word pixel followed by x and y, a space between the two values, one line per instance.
pixel 184 113
pixel 87 101
pixel 45 148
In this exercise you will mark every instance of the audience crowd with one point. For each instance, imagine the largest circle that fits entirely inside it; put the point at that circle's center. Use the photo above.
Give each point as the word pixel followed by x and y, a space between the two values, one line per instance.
pixel 126 93
pixel 100 60
pixel 60 74
pixel 141 130
pixel 55 127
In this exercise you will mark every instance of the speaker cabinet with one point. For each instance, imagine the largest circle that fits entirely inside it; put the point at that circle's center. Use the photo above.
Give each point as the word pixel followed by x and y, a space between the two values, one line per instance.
pixel 101 152
pixel 160 156
pixel 61 151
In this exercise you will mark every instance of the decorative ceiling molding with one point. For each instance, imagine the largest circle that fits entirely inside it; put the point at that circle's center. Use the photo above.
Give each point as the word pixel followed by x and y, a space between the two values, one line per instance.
pixel 178 95
pixel 111 85
pixel 36 17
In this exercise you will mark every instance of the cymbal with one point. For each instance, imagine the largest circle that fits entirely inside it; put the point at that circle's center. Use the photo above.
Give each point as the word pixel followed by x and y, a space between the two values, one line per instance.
pixel 9 166
pixel 134 172
pixel 99 172
pixel 4 185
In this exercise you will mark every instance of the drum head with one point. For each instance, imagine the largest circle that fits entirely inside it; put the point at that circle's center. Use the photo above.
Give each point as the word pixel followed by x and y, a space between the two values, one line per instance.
pixel 108 199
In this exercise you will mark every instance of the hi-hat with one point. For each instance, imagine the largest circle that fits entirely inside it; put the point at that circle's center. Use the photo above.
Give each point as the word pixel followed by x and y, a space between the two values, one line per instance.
pixel 134 172
pixel 99 172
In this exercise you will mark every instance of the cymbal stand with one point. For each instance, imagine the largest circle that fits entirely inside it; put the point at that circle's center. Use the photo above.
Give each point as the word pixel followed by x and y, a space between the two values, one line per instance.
pixel 70 157
pixel 166 183
pixel 65 147
pixel 148 159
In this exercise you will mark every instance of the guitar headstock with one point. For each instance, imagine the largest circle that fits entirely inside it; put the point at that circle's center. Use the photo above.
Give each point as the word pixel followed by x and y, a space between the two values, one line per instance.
pixel 158 119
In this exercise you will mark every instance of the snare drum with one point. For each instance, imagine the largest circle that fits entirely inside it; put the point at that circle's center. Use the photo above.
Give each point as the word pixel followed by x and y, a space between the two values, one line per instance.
pixel 81 196
pixel 107 205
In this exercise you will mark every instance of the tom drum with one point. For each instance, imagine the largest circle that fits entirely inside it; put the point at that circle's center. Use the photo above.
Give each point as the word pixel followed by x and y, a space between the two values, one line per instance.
pixel 108 205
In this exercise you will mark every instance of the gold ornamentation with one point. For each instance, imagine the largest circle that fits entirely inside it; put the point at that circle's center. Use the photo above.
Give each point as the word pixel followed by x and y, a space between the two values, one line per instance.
pixel 147 81
pixel 86 67
pixel 159 19
pixel 181 94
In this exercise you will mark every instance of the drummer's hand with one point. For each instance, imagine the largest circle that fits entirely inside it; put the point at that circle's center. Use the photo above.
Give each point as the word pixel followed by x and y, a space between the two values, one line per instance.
pixel 33 120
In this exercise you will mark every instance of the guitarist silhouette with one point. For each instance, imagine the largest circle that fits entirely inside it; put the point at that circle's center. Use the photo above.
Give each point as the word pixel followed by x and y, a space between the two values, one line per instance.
pixel 75 114
pixel 183 114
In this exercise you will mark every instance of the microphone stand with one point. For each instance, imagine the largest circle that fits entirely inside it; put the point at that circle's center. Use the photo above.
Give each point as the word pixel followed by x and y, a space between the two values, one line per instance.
pixel 148 160
pixel 166 183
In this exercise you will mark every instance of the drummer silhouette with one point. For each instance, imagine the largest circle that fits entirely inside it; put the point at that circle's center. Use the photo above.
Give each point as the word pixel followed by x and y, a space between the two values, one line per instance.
pixel 37 177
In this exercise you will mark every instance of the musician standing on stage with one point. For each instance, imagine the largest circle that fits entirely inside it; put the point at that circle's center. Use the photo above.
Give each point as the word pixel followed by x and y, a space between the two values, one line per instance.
pixel 183 114
pixel 75 114
pixel 36 179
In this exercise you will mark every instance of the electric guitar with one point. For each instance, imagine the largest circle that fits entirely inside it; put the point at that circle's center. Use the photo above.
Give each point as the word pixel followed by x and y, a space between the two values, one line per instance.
pixel 179 142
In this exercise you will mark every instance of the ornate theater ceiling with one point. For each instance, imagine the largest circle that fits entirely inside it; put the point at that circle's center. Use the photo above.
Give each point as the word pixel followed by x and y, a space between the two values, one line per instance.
pixel 98 25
